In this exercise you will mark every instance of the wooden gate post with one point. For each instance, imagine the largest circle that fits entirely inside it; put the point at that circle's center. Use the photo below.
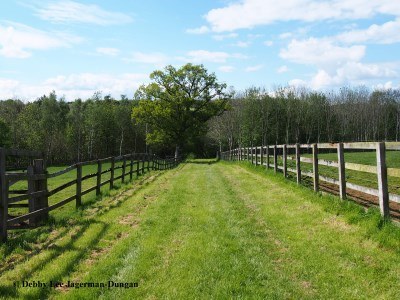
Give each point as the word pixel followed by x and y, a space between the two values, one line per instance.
pixel 3 195
pixel 342 171
pixel 315 167
pixel 382 179
pixel 298 166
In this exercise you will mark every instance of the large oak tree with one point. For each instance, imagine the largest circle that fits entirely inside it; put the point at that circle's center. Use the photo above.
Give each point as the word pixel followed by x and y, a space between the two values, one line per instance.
pixel 177 104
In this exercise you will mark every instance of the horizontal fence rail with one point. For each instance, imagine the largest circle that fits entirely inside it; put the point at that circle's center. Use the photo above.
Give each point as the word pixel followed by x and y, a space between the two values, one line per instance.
pixel 269 156
pixel 38 193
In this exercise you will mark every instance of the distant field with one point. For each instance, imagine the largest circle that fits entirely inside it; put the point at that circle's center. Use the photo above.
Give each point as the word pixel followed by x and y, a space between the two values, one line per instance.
pixel 356 177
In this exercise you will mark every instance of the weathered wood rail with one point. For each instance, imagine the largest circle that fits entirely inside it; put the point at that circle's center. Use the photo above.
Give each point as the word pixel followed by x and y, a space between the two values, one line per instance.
pixel 262 155
pixel 38 194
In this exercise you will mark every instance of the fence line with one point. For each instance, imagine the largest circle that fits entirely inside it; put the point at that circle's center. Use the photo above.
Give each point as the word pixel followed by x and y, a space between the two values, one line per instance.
pixel 37 193
pixel 260 155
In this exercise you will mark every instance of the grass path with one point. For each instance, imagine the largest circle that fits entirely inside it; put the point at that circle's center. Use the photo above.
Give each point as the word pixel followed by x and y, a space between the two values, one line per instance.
pixel 213 231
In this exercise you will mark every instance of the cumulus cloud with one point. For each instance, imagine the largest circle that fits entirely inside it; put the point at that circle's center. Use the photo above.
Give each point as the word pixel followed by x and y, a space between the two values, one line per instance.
pixel 386 33
pixel 18 40
pixel 75 12
pixel 321 52
pixel 73 86
pixel 251 13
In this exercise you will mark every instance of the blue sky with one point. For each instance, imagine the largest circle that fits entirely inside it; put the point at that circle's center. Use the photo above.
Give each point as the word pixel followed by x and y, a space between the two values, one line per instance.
pixel 79 47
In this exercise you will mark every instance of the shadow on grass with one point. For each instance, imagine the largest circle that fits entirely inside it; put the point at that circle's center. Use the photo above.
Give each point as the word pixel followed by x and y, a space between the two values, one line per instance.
pixel 11 290
pixel 202 161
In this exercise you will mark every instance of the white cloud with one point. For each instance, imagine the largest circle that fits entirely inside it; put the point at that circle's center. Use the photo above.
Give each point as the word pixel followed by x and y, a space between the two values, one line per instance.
pixel 251 13
pixel 226 69
pixel 107 51
pixel 353 73
pixel 155 58
pixel 386 33
pixel 268 43
pixel 16 40
pixel 74 86
pixel 199 30
pixel 254 68
pixel 321 52
pixel 282 69
pixel 201 56
pixel 71 11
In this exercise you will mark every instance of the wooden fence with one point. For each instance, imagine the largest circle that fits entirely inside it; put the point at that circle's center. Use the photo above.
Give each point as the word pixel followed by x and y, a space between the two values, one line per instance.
pixel 37 193
pixel 262 155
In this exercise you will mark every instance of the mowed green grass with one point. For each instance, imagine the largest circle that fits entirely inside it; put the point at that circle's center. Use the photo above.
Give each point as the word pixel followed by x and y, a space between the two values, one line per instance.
pixel 216 230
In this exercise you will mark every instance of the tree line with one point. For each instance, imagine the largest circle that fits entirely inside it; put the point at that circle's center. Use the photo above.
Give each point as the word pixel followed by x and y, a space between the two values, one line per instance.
pixel 299 115
pixel 187 110
pixel 71 131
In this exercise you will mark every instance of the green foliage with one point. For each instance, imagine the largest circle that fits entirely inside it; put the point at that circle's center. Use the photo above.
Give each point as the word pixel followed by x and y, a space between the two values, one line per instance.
pixel 4 134
pixel 177 104
pixel 299 115
pixel 74 131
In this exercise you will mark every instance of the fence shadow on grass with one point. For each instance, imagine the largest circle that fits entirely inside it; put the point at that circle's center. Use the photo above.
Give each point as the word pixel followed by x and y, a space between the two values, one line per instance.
pixel 56 251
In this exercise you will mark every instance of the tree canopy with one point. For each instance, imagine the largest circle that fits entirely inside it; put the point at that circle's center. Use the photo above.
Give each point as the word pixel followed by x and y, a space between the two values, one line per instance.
pixel 177 104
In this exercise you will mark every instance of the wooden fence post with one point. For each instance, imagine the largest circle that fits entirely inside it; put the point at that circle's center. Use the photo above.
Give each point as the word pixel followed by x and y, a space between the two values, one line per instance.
pixel 284 158
pixel 298 166
pixel 35 185
pixel 131 167
pixel 262 156
pixel 40 185
pixel 382 179
pixel 275 159
pixel 4 194
pixel 98 178
pixel 137 168
pixel 315 167
pixel 342 171
pixel 267 157
pixel 142 164
pixel 112 173
pixel 256 155
pixel 123 169
pixel 78 184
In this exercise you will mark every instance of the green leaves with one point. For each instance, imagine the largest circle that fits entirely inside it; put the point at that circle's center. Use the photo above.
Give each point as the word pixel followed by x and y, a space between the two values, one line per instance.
pixel 178 103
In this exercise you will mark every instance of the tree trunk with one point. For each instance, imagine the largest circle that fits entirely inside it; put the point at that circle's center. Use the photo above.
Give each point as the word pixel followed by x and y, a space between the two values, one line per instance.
pixel 177 151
